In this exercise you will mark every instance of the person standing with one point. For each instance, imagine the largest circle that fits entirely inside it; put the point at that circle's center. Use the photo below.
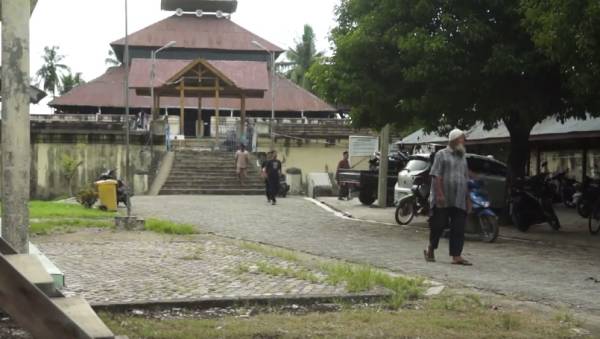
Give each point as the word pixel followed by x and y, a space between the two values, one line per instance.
pixel 272 171
pixel 241 163
pixel 449 198
pixel 344 164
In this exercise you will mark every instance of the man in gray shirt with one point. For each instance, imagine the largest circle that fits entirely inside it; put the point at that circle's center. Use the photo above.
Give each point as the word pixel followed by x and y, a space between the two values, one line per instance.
pixel 449 198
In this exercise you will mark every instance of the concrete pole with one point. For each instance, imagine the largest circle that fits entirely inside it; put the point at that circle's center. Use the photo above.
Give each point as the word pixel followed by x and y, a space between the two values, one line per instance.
pixel 16 145
pixel 384 141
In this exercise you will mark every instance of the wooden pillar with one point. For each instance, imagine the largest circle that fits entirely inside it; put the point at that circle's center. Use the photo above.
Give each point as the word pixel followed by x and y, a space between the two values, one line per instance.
pixel 217 108
pixel 384 140
pixel 181 108
pixel 199 123
pixel 243 115
pixel 584 162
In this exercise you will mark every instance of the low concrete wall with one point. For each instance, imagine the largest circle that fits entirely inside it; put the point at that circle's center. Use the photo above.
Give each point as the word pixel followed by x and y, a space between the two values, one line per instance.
pixel 98 147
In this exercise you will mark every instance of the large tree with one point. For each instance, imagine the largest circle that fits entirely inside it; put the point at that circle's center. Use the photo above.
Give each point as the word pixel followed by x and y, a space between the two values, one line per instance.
pixel 52 69
pixel 302 57
pixel 451 63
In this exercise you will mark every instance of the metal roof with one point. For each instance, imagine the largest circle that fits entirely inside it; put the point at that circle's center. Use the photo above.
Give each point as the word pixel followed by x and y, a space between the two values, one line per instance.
pixel 191 32
pixel 108 91
pixel 548 129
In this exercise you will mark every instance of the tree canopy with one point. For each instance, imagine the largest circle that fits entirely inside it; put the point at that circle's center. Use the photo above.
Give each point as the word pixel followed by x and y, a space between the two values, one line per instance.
pixel 449 63
pixel 303 56
pixel 52 69
pixel 69 81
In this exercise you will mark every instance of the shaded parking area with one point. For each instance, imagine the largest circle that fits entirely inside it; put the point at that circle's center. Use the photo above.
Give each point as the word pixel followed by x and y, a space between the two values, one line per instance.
pixel 561 271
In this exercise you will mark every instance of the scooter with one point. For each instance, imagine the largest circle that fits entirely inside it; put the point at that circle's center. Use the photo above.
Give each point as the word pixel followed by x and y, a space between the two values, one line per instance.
pixel 565 188
pixel 284 188
pixel 414 204
pixel 482 220
pixel 123 195
pixel 531 202
pixel 587 194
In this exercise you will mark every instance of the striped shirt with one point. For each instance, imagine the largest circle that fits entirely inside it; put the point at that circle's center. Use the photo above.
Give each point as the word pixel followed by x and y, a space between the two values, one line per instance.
pixel 453 169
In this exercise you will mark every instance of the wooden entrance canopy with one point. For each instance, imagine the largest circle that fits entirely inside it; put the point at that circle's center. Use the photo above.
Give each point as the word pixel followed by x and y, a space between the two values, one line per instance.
pixel 200 79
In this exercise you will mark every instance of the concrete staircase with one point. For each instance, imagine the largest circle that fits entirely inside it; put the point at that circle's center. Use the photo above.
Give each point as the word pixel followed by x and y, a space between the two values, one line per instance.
pixel 203 173
pixel 30 297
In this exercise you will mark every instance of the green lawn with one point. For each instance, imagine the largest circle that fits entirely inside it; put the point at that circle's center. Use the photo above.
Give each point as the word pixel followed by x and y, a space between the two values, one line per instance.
pixel 451 316
pixel 49 209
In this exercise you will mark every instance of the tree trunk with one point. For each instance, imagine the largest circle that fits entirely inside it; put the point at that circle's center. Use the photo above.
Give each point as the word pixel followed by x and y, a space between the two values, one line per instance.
pixel 15 123
pixel 519 130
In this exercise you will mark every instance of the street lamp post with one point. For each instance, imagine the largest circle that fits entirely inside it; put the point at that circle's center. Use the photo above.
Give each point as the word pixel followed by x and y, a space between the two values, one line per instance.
pixel 272 53
pixel 153 73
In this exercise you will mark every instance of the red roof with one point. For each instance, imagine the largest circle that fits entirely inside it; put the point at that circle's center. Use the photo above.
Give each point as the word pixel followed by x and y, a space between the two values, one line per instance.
pixel 108 91
pixel 245 75
pixel 191 32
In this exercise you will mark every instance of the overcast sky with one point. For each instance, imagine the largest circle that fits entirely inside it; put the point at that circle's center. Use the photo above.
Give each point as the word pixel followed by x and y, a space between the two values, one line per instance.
pixel 83 29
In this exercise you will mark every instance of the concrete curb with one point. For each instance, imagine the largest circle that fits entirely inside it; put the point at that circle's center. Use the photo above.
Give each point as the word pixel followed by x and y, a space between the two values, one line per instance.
pixel 203 304
pixel 162 175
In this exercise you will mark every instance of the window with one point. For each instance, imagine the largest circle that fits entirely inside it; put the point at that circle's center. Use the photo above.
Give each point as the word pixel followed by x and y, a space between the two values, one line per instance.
pixel 417 165
pixel 486 166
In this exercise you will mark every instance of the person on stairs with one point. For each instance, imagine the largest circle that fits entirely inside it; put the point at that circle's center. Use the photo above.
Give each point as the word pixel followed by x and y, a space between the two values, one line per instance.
pixel 242 160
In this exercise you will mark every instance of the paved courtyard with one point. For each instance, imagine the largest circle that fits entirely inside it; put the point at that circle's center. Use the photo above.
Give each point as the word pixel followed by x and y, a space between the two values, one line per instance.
pixel 109 267
pixel 550 272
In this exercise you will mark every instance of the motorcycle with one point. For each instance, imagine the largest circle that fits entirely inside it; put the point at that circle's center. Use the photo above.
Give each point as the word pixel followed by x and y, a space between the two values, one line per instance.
pixel 284 188
pixel 123 195
pixel 587 194
pixel 532 202
pixel 414 204
pixel 482 220
pixel 565 188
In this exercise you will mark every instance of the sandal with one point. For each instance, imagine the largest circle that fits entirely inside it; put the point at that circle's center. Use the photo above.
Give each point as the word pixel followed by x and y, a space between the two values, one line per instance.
pixel 428 257
pixel 463 262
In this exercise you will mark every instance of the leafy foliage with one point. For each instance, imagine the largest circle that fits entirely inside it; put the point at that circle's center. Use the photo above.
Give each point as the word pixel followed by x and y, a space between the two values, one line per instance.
pixel 52 70
pixel 69 81
pixel 450 64
pixel 112 60
pixel 87 197
pixel 303 56
pixel 69 167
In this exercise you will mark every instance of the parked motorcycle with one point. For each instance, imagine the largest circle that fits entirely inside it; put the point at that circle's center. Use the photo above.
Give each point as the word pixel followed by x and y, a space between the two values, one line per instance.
pixel 414 204
pixel 532 202
pixel 284 188
pixel 123 194
pixel 564 188
pixel 482 220
pixel 588 192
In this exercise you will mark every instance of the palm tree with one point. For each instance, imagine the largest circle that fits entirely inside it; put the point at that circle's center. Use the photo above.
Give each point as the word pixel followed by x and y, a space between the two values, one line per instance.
pixel 112 60
pixel 70 81
pixel 302 57
pixel 52 69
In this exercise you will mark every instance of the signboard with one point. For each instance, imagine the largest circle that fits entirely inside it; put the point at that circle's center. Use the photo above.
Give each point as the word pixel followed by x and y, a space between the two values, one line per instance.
pixel 363 146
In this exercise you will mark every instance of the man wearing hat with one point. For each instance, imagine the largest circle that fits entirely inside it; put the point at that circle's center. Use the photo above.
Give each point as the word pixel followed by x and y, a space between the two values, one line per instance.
pixel 449 198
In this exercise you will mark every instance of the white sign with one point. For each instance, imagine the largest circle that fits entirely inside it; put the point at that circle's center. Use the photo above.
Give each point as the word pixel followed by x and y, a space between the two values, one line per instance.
pixel 363 146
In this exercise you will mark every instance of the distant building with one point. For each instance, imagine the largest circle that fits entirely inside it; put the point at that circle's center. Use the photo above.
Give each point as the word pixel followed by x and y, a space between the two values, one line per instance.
pixel 207 37
pixel 572 145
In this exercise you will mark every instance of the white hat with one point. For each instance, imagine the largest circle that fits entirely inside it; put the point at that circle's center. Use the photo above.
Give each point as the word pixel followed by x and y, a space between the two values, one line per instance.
pixel 455 134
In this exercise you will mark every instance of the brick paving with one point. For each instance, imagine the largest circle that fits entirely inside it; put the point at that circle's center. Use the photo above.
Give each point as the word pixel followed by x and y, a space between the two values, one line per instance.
pixel 555 273
pixel 109 267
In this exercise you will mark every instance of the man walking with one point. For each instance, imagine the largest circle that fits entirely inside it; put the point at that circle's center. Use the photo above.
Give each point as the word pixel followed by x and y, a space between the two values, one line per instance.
pixel 449 198
pixel 242 161
pixel 273 173
pixel 342 165
pixel 263 172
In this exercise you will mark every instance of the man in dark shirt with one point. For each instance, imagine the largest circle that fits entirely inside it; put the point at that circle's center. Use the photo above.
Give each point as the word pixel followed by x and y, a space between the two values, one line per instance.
pixel 273 173
pixel 342 165
pixel 263 167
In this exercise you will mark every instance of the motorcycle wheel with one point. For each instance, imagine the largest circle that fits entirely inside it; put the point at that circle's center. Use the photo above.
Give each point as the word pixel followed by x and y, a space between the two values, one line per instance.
pixel 567 199
pixel 519 220
pixel 405 212
pixel 594 222
pixel 366 198
pixel 583 209
pixel 489 228
pixel 554 223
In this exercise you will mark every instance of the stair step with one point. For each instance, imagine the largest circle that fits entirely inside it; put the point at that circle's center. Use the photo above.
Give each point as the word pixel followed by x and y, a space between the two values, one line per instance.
pixel 32 269
pixel 84 316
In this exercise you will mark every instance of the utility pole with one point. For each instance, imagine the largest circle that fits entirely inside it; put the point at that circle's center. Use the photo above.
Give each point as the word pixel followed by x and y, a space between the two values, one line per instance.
pixel 384 142
pixel 16 141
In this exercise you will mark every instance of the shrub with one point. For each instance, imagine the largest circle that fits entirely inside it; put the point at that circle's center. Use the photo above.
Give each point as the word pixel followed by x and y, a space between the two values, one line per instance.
pixel 87 197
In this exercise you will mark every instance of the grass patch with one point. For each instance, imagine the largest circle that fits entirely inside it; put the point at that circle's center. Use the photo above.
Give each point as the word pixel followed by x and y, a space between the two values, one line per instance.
pixel 48 226
pixel 298 273
pixel 428 321
pixel 271 251
pixel 48 209
pixel 169 227
pixel 362 278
